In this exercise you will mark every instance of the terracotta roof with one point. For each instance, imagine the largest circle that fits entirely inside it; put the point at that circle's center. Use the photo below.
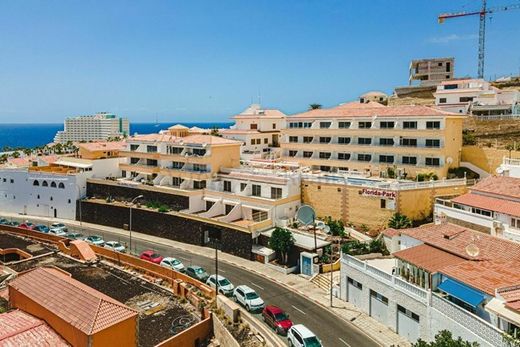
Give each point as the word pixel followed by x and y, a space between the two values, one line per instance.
pixel 238 131
pixel 488 203
pixel 190 139
pixel 510 294
pixel 357 104
pixel 344 111
pixel 83 307
pixel 178 126
pixel 499 185
pixel 26 161
pixel 84 250
pixel 391 232
pixel 103 146
pixel 18 328
pixel 428 258
pixel 374 93
pixel 269 113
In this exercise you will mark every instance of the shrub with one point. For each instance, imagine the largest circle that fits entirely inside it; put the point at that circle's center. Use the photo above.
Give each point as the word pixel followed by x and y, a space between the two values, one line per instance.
pixel 399 221
pixel 337 228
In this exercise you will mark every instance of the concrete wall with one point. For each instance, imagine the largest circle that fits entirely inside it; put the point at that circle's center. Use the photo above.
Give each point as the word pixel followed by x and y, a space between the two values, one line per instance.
pixel 193 336
pixel 488 159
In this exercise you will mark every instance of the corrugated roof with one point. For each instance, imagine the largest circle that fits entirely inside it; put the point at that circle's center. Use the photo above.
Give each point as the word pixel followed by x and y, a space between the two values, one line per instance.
pixel 83 307
pixel 428 258
pixel 18 328
pixel 488 203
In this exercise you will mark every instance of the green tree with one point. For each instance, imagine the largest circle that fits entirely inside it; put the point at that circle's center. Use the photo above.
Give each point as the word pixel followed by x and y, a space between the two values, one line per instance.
pixel 281 241
pixel 337 228
pixel 214 132
pixel 314 106
pixel 16 154
pixel 445 339
pixel 399 221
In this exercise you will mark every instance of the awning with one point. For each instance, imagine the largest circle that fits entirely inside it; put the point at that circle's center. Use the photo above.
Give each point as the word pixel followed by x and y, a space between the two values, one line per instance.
pixel 464 293
pixel 207 198
pixel 498 307
pixel 230 202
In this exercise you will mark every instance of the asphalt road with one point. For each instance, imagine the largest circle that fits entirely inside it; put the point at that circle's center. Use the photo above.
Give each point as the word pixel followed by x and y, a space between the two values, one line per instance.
pixel 331 330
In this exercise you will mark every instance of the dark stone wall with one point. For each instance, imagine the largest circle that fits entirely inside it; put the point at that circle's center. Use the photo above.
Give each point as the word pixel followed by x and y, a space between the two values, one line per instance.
pixel 167 226
pixel 102 191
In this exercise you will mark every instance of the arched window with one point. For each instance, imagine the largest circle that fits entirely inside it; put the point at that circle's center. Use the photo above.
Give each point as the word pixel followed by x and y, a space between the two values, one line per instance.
pixel 53 184
pixel 36 183
pixel 45 184
pixel 61 185
pixel 51 198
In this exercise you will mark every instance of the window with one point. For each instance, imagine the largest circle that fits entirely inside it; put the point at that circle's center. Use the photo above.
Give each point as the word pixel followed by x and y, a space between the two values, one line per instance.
pixel 200 168
pixel 325 125
pixel 228 208
pixel 307 154
pixel 174 150
pixel 387 125
pixel 134 147
pixel 325 139
pixel 481 212
pixel 276 193
pixel 243 186
pixel 177 164
pixel 324 168
pixel 364 157
pixel 432 161
pixel 451 86
pixel 433 125
pixel 259 216
pixel 61 185
pixel 134 160
pixel 379 297
pixel 344 125
pixel 433 143
pixel 325 155
pixel 151 149
pixel 266 140
pixel 344 140
pixel 53 184
pixel 36 183
pixel 382 203
pixel 343 156
pixel 364 141
pixel 37 197
pixel 293 138
pixel 176 181
pixel 408 313
pixel 253 126
pixel 386 159
pixel 354 283
pixel 293 153
pixel 465 99
pixel 258 141
pixel 300 124
pixel 11 180
pixel 151 162
pixel 409 142
pixel 274 125
pixel 442 100
pixel 45 184
pixel 409 125
pixel 409 160
pixel 227 186
pixel 364 125
pixel 209 205
pixel 199 184
pixel 51 198
pixel 199 152
pixel 69 201
pixel 256 190
pixel 386 142
pixel 252 141
pixel 307 139
pixel 515 223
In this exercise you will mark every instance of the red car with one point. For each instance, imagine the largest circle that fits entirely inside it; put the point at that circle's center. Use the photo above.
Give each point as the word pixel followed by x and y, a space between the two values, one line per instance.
pixel 277 319
pixel 151 256
pixel 27 225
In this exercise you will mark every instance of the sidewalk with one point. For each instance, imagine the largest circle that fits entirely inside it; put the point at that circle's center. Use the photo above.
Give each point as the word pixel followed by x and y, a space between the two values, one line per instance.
pixel 344 310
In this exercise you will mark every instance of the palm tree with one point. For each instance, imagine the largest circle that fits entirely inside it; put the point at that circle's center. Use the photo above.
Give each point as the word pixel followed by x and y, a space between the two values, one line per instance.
pixel 399 221
pixel 314 106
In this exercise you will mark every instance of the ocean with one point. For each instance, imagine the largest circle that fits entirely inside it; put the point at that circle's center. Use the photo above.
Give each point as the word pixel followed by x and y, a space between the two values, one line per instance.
pixel 33 135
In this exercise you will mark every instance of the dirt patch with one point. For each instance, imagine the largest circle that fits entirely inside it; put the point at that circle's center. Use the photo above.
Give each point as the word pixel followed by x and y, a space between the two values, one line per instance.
pixel 31 247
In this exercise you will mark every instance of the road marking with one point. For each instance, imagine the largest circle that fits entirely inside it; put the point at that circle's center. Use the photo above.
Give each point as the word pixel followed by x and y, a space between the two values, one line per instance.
pixel 297 309
pixel 346 344
pixel 221 271
pixel 256 285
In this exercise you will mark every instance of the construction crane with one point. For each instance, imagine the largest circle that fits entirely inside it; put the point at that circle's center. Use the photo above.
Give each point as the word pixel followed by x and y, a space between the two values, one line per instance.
pixel 482 27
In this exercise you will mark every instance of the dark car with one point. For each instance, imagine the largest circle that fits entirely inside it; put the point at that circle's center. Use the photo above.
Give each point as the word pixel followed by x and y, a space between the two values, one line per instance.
pixel 277 319
pixel 13 224
pixel 197 272
pixel 4 221
pixel 27 225
pixel 151 256
pixel 41 228
pixel 75 236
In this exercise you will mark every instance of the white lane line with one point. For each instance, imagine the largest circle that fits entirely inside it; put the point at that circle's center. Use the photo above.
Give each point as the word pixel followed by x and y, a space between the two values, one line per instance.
pixel 346 344
pixel 221 271
pixel 297 309
pixel 256 285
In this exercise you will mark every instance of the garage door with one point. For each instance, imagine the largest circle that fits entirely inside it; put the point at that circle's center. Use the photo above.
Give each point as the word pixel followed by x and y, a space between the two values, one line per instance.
pixel 407 324
pixel 378 306
pixel 354 291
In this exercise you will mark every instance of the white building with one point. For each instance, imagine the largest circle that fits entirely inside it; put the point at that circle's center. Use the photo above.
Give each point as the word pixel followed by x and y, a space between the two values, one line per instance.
pixel 51 191
pixel 100 126
pixel 259 131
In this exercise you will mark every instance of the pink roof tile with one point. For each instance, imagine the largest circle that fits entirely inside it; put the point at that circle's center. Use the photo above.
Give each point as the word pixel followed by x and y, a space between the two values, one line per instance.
pixel 190 139
pixel 499 185
pixel 82 306
pixel 103 146
pixel 488 203
pixel 265 114
pixel 18 328
pixel 428 258
pixel 390 232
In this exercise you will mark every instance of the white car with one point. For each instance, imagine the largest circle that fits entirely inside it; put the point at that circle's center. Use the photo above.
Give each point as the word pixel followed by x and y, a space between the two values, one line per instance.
pixel 300 336
pixel 95 240
pixel 115 246
pixel 224 286
pixel 57 232
pixel 59 226
pixel 173 263
pixel 248 298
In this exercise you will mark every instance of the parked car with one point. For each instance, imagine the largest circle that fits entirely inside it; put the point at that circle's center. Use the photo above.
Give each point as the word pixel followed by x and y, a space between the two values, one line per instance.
pixel 41 228
pixel 27 225
pixel 277 319
pixel 4 221
pixel 300 336
pixel 151 256
pixel 95 240
pixel 197 272
pixel 75 236
pixel 59 226
pixel 224 286
pixel 57 232
pixel 247 297
pixel 115 246
pixel 13 224
pixel 173 263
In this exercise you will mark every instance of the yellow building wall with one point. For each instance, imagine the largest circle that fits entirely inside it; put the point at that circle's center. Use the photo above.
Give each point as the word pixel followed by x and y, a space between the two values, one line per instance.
pixel 488 159
pixel 453 140
pixel 224 156
pixel 325 199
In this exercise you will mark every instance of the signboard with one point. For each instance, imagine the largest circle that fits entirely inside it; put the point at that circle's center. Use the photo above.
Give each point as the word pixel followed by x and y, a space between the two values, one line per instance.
pixel 378 193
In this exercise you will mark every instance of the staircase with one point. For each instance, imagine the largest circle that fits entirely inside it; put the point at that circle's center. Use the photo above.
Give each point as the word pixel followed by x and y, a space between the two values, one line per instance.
pixel 322 281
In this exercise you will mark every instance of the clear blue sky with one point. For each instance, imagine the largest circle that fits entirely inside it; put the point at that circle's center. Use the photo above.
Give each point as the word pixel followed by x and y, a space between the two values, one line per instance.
pixel 205 60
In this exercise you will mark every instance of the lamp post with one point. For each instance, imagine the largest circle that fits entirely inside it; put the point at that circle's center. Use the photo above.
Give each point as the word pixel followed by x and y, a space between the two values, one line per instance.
pixel 130 223
pixel 80 198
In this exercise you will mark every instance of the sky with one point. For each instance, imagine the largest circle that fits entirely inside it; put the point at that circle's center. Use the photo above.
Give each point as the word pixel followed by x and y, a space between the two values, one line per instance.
pixel 206 60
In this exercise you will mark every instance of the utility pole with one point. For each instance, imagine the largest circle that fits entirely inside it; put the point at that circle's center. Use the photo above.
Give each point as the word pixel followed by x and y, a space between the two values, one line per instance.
pixel 331 276
pixel 130 221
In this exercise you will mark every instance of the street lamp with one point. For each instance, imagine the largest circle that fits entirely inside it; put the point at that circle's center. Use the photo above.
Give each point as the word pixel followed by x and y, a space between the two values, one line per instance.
pixel 80 198
pixel 130 224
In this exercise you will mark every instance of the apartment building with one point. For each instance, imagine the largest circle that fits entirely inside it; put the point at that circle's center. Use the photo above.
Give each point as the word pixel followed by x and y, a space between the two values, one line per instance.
pixel 430 72
pixel 439 277
pixel 177 159
pixel 258 130
pixel 477 97
pixel 492 206
pixel 97 127
pixel 101 149
pixel 374 139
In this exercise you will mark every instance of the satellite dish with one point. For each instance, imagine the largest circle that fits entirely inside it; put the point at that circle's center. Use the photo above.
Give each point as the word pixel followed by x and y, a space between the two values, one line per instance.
pixel 449 160
pixel 306 215
pixel 500 170
pixel 326 229
pixel 472 250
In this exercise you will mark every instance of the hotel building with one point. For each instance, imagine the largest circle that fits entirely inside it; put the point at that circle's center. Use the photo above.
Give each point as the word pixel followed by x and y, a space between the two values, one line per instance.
pixel 100 126
pixel 373 138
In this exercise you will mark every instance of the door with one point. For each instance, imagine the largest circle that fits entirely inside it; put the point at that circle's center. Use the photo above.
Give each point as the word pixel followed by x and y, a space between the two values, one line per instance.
pixel 407 324
pixel 307 266
pixel 55 213
pixel 378 306
pixel 354 292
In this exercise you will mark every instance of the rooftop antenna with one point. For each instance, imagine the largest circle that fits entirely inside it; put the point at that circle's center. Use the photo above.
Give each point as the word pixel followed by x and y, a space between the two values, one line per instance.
pixel 259 98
